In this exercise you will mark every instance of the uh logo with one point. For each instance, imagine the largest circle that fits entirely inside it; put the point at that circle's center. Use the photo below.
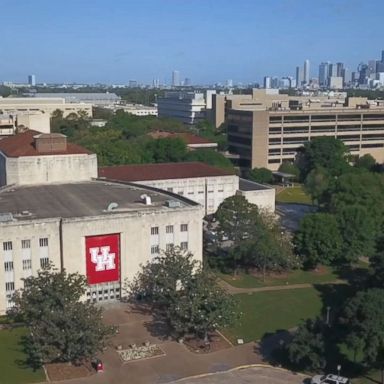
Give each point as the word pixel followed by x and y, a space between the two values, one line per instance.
pixel 103 258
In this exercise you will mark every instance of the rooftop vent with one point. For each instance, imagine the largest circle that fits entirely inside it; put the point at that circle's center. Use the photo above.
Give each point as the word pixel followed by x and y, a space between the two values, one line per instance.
pixel 146 199
pixel 50 142
pixel 112 207
pixel 173 204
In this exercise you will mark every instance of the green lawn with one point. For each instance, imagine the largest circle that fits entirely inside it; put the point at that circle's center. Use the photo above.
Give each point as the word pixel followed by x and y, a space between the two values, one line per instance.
pixel 294 194
pixel 244 280
pixel 270 311
pixel 12 368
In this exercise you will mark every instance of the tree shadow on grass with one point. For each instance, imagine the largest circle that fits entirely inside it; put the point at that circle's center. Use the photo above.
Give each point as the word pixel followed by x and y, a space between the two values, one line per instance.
pixel 31 361
pixel 158 327
pixel 359 277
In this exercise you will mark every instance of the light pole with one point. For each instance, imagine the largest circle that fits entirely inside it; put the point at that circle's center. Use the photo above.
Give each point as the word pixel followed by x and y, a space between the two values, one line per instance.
pixel 328 312
pixel 338 370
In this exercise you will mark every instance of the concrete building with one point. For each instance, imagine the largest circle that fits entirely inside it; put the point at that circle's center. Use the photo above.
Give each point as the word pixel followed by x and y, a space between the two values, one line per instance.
pixel 9 124
pixel 187 107
pixel 175 78
pixel 267 136
pixel 33 157
pixel 335 82
pixel 102 229
pixel 15 105
pixel 137 109
pixel 204 184
pixel 267 82
pixel 98 99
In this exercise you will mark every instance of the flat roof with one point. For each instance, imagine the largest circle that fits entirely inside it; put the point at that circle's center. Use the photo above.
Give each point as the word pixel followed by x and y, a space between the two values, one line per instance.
pixel 81 199
pixel 248 185
pixel 161 171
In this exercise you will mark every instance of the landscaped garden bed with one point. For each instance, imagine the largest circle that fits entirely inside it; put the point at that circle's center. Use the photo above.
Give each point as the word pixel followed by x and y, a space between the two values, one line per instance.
pixel 66 371
pixel 145 351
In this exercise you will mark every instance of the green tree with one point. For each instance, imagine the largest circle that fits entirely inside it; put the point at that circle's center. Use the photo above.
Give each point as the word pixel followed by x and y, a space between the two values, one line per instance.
pixel 210 157
pixel 317 184
pixel 261 175
pixel 307 348
pixel 289 167
pixel 165 150
pixel 366 161
pixel 62 328
pixel 318 240
pixel 187 298
pixel 364 318
pixel 325 152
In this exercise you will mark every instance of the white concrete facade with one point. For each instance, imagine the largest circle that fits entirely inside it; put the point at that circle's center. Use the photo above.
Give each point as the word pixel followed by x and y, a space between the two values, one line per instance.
pixel 209 192
pixel 135 242
pixel 47 169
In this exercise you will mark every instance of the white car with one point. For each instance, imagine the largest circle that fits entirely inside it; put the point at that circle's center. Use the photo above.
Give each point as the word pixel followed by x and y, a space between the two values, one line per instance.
pixel 329 379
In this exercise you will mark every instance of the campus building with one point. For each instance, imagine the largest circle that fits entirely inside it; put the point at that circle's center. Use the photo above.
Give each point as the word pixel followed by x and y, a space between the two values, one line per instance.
pixel 102 229
pixel 266 136
pixel 209 186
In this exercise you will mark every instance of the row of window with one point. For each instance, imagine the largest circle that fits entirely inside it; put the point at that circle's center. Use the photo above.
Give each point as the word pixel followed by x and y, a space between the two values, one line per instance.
pixel 155 249
pixel 27 264
pixel 341 117
pixel 169 229
pixel 25 244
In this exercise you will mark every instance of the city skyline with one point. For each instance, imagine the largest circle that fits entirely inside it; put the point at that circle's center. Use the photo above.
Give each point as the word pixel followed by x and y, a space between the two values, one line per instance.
pixel 92 42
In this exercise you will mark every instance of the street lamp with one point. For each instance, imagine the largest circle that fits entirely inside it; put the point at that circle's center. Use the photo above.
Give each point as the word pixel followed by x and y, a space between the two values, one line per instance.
pixel 328 311
pixel 338 370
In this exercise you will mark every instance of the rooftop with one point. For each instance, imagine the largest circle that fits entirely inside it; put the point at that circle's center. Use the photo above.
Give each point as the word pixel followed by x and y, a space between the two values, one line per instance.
pixel 81 200
pixel 247 185
pixel 162 171
pixel 23 144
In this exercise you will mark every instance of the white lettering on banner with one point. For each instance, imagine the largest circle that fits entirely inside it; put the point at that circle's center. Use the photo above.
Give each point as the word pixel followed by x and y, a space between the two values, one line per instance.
pixel 102 258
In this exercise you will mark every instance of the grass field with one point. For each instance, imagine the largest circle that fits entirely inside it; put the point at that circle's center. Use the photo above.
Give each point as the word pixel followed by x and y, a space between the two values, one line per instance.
pixel 294 194
pixel 265 312
pixel 244 280
pixel 12 367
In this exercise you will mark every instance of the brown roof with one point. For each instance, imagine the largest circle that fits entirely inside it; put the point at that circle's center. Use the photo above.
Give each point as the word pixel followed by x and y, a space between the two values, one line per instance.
pixel 22 144
pixel 189 138
pixel 163 171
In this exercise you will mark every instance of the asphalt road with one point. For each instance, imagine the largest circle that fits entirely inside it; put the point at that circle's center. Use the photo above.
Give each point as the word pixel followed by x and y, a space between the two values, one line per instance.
pixel 251 375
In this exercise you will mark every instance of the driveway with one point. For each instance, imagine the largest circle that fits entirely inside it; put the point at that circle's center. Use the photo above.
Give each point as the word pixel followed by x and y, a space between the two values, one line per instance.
pixel 254 375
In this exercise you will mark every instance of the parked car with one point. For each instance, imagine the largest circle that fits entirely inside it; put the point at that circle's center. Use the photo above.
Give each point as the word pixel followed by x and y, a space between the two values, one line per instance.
pixel 329 379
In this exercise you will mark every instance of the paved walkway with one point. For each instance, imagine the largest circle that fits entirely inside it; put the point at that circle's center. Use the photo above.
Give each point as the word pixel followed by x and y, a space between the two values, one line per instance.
pixel 235 290
pixel 252 374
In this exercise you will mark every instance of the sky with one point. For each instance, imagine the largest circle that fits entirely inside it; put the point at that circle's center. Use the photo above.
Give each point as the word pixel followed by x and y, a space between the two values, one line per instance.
pixel 208 41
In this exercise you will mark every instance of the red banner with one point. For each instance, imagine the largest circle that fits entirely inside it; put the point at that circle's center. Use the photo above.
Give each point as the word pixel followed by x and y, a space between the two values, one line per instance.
pixel 102 258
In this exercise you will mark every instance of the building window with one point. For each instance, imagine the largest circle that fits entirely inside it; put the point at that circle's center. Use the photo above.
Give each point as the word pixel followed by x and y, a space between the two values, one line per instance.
pixel 154 230
pixel 43 242
pixel 10 286
pixel 201 192
pixel 170 189
pixel 8 266
pixel 155 250
pixel 169 247
pixel 7 246
pixel 27 264
pixel 25 244
pixel 183 227
pixel 44 262
pixel 181 193
pixel 169 229
pixel 184 245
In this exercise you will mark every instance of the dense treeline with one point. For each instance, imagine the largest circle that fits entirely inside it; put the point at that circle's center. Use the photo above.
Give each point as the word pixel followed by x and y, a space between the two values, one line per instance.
pixel 124 139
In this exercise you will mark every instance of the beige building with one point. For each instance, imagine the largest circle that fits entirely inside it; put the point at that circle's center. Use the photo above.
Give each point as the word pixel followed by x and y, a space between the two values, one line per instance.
pixel 38 121
pixel 15 105
pixel 209 186
pixel 265 137
pixel 102 229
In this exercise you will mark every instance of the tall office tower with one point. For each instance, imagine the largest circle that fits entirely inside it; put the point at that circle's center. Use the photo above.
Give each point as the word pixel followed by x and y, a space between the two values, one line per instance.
pixel 323 74
pixel 187 81
pixel 382 56
pixel 299 77
pixel 332 70
pixel 32 80
pixel 306 71
pixel 267 82
pixel 339 69
pixel 175 78
pixel 372 67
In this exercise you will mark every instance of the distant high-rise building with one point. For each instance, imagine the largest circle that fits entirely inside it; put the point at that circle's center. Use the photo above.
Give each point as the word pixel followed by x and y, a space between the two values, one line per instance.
pixel 306 71
pixel 132 84
pixel 332 70
pixel 299 77
pixel 382 56
pixel 156 83
pixel 187 81
pixel 323 74
pixel 339 69
pixel 267 82
pixel 32 80
pixel 175 78
pixel 372 68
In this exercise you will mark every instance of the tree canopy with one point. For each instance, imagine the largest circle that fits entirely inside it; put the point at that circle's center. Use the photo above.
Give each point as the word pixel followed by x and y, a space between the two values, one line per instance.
pixel 261 175
pixel 62 328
